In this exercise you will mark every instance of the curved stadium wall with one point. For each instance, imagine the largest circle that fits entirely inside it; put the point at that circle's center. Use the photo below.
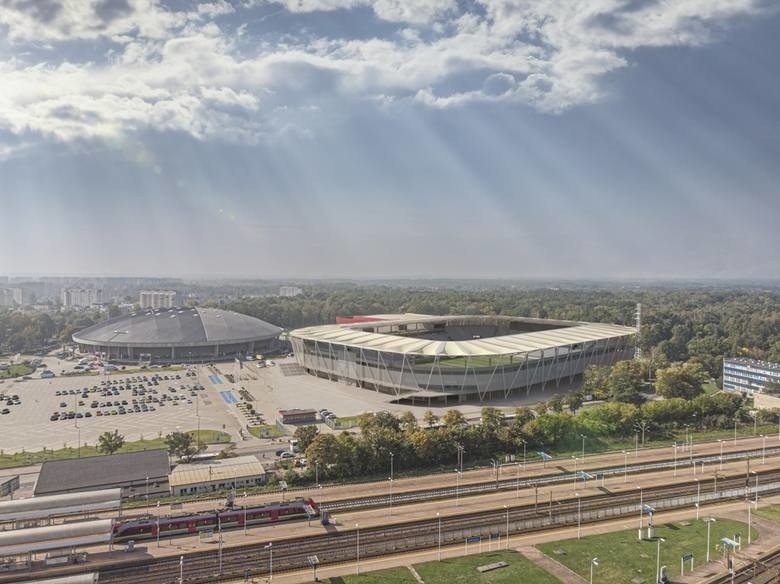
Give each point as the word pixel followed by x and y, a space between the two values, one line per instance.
pixel 418 357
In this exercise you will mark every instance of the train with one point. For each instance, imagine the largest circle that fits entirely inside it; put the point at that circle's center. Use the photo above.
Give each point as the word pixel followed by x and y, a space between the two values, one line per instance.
pixel 147 527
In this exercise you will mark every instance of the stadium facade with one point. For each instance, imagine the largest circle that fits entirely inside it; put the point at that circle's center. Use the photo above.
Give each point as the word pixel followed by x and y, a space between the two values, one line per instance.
pixel 180 335
pixel 422 358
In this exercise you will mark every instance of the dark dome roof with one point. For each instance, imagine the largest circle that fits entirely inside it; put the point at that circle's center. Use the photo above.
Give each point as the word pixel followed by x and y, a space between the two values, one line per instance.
pixel 178 326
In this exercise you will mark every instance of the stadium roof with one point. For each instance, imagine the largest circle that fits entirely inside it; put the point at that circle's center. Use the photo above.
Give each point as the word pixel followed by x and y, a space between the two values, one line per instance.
pixel 569 333
pixel 178 326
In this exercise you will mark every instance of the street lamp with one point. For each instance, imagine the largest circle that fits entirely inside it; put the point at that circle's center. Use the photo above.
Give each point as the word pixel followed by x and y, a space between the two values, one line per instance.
pixel 625 467
pixel 721 454
pixel 763 449
pixel 357 554
pixel 593 562
pixel 317 473
pixel 579 513
pixel 641 508
pixel 438 517
pixel 658 559
pixel 583 446
pixel 710 521
pixel 675 458
pixel 244 512
pixel 698 497
pixel 270 548
pixel 506 510
pixel 457 486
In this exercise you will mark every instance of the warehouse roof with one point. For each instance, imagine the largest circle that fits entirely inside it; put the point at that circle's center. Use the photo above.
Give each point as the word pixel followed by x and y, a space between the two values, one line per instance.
pixel 216 470
pixel 172 326
pixel 62 476
pixel 567 333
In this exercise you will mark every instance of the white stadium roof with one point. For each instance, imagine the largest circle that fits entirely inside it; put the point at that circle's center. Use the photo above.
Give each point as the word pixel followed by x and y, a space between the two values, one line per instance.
pixel 569 333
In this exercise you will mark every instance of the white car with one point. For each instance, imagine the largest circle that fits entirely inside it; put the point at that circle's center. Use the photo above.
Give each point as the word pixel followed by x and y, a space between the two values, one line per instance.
pixel 286 455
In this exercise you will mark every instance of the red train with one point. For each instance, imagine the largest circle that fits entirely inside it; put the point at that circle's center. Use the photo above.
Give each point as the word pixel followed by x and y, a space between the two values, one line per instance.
pixel 147 527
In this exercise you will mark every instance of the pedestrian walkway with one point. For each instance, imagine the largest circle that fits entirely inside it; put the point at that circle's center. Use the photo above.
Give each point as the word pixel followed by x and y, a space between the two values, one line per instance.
pixel 564 574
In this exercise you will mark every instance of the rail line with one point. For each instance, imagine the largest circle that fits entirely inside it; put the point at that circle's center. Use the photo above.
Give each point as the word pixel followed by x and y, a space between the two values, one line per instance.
pixel 341 546
pixel 763 570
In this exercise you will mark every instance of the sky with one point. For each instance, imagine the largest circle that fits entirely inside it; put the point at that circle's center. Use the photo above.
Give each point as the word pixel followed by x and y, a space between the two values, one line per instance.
pixel 390 138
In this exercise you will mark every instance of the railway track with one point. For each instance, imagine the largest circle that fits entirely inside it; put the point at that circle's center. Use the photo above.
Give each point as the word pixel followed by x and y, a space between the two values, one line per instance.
pixel 342 546
pixel 763 570
pixel 359 503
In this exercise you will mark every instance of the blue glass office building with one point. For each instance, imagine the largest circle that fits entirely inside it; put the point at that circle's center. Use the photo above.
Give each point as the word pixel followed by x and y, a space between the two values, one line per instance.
pixel 748 375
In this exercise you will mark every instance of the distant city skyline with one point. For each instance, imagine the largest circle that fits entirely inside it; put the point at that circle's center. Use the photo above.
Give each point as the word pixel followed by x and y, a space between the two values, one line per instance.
pixel 618 140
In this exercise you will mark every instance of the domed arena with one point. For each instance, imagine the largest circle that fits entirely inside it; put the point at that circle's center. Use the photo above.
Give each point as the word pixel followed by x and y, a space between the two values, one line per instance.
pixel 178 335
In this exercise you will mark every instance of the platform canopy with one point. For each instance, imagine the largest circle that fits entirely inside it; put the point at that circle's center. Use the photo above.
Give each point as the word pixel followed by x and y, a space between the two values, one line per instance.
pixel 54 537
pixel 59 505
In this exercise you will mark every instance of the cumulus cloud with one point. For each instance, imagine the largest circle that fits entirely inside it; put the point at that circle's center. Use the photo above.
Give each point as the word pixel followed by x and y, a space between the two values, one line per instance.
pixel 206 72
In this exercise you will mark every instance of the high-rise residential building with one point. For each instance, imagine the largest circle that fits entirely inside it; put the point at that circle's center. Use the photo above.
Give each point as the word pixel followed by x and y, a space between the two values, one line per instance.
pixel 290 291
pixel 158 298
pixel 20 296
pixel 81 297
pixel 748 375
pixel 6 297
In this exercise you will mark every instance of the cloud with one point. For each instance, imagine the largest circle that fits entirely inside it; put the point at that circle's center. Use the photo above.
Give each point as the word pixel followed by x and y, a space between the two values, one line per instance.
pixel 204 72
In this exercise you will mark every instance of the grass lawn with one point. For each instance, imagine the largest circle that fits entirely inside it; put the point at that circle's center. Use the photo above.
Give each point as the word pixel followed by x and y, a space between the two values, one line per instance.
pixel 772 513
pixel 622 558
pixel 16 371
pixel 211 436
pixel 346 422
pixel 389 576
pixel 463 570
pixel 266 431
pixel 27 458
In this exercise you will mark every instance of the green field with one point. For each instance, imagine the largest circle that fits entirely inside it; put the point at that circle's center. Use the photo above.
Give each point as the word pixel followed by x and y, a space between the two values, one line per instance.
pixel 16 371
pixel 462 570
pixel 622 558
pixel 266 431
pixel 346 422
pixel 389 576
pixel 772 513
pixel 27 458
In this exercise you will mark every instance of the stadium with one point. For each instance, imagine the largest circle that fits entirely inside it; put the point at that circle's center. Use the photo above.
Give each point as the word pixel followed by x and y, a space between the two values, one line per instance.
pixel 181 335
pixel 421 358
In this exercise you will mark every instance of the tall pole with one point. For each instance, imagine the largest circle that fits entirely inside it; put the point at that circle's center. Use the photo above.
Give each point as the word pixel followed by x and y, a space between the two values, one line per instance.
pixel 658 559
pixel 147 491
pixel 438 517
pixel 219 526
pixel 357 554
pixel 457 486
pixel 317 473
pixel 583 446
pixel 778 437
pixel 709 522
pixel 593 562
pixel 78 444
pixel 675 459
pixel 641 508
pixel 244 512
pixel 721 454
pixel 749 515
pixel 270 548
pixel 625 467
pixel 181 569
pixel 579 514
pixel 506 509
pixel 763 450
pixel 698 497
pixel 158 531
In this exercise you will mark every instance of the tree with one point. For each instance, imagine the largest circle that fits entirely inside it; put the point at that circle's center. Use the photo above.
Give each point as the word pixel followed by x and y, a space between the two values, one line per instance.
pixel 110 442
pixel 556 402
pixel 408 421
pixel 324 449
pixel 595 381
pixel 181 445
pixel 454 419
pixel 685 381
pixel 430 419
pixel 305 435
pixel 625 382
pixel 574 400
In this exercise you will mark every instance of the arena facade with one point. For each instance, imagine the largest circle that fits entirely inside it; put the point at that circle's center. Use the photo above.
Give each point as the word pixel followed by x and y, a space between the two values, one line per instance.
pixel 180 335
pixel 420 358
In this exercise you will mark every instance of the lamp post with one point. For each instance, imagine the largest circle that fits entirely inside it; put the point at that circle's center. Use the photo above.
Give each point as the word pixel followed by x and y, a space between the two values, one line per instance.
pixel 641 508
pixel 593 562
pixel 78 443
pixel 658 559
pixel 675 459
pixel 583 446
pixel 710 521
pixel 698 497
pixel 181 569
pixel 357 554
pixel 457 486
pixel 147 491
pixel 506 510
pixel 391 495
pixel 525 443
pixel 317 473
pixel 749 518
pixel 763 449
pixel 579 513
pixel 756 487
pixel 244 512
pixel 494 462
pixel 270 548
pixel 721 454
pixel 438 517
pixel 625 467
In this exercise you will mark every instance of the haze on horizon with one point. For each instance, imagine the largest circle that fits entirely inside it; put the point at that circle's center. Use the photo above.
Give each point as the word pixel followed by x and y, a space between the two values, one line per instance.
pixel 390 138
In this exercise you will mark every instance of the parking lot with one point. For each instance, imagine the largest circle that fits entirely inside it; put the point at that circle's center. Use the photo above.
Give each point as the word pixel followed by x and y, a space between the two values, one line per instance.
pixel 60 411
